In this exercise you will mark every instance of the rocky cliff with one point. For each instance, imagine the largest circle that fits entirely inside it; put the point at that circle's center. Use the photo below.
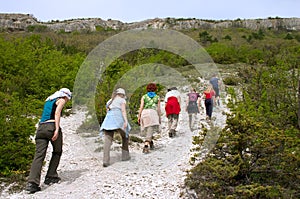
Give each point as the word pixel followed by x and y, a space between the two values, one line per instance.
pixel 22 22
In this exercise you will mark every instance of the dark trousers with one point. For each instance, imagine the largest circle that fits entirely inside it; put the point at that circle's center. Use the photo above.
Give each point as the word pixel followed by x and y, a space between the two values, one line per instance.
pixel 44 134
pixel 108 138
pixel 208 107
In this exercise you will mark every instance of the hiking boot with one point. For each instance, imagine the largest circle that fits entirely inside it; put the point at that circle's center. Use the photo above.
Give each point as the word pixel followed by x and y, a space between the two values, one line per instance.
pixel 31 187
pixel 151 145
pixel 105 164
pixel 146 149
pixel 51 180
pixel 172 133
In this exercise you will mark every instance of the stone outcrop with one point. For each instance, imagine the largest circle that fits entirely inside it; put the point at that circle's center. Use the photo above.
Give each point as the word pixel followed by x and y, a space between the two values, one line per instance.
pixel 16 21
pixel 21 22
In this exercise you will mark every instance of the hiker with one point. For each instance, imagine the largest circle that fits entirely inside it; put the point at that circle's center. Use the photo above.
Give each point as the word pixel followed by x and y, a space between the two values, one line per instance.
pixel 115 121
pixel 193 104
pixel 149 115
pixel 172 107
pixel 215 82
pixel 209 96
pixel 48 131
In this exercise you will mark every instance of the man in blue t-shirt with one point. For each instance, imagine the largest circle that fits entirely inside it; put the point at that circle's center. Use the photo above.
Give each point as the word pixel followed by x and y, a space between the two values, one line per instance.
pixel 214 81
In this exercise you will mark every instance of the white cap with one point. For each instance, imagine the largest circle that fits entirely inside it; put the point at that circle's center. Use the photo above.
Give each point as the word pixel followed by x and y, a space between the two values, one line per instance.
pixel 120 91
pixel 66 92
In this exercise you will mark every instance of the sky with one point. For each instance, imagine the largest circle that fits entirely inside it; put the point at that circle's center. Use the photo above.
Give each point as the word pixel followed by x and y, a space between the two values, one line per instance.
pixel 139 10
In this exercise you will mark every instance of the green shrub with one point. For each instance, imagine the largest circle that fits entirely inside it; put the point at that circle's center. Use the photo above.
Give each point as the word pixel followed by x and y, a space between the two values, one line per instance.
pixel 37 28
pixel 231 81
pixel 258 152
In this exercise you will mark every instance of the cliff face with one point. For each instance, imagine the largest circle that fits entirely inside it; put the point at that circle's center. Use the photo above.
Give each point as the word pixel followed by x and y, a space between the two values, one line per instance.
pixel 21 22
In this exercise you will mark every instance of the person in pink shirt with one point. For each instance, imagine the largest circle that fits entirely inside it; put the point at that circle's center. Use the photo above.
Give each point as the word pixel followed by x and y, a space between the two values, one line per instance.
pixel 192 106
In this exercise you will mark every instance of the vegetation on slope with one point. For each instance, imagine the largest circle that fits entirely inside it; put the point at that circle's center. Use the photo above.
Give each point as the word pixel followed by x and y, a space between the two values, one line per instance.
pixel 257 155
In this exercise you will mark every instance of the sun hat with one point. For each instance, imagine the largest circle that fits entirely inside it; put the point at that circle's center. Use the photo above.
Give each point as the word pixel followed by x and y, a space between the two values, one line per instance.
pixel 66 93
pixel 120 91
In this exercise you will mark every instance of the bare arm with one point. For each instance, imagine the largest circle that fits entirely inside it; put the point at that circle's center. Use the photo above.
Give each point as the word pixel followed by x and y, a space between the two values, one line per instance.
pixel 187 104
pixel 60 105
pixel 199 100
pixel 159 110
pixel 179 99
pixel 123 109
pixel 141 109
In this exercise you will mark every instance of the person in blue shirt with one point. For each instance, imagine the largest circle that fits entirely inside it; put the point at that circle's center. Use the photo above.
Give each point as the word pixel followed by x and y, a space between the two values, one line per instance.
pixel 115 121
pixel 215 82
pixel 48 131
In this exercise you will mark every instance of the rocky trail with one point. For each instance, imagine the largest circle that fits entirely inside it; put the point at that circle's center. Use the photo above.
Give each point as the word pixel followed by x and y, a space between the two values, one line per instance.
pixel 159 174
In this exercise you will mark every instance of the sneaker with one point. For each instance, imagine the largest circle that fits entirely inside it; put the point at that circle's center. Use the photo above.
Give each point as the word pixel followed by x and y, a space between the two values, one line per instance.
pixel 31 187
pixel 51 180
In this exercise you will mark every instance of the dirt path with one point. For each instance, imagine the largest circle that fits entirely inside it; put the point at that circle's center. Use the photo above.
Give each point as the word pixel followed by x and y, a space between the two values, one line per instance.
pixel 159 174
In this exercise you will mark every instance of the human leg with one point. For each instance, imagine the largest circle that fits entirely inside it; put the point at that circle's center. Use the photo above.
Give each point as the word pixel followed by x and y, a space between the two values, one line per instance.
pixel 170 121
pixel 155 129
pixel 208 104
pixel 149 133
pixel 210 109
pixel 150 130
pixel 190 120
pixel 125 149
pixel 37 164
pixel 173 126
pixel 175 121
pixel 52 175
pixel 56 155
pixel 43 135
pixel 108 138
pixel 217 95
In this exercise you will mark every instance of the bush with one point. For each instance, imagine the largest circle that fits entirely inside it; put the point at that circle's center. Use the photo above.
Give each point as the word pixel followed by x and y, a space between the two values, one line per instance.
pixel 251 160
pixel 37 28
pixel 29 73
pixel 16 148
pixel 231 81
pixel 257 155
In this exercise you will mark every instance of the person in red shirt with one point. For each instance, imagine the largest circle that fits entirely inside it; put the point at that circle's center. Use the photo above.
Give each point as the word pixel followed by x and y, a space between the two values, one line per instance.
pixel 209 96
pixel 172 108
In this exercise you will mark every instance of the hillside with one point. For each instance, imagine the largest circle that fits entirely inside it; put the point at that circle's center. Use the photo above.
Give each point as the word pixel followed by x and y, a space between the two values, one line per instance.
pixel 22 22
pixel 257 153
pixel 159 174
